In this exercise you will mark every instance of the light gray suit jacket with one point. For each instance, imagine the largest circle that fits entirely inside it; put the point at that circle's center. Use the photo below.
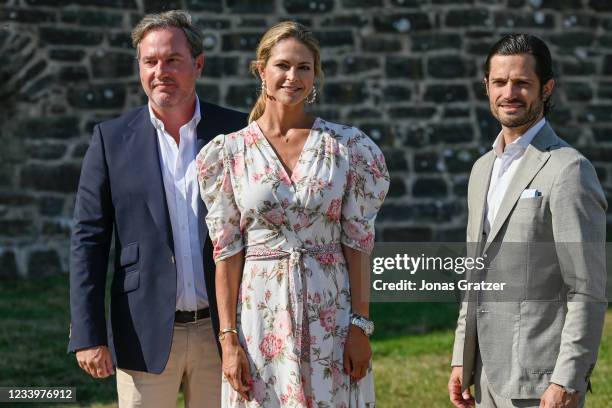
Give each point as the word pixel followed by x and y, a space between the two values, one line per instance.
pixel 550 251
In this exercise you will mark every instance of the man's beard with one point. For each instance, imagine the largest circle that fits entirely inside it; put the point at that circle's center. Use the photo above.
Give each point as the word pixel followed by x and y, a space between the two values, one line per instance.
pixel 529 116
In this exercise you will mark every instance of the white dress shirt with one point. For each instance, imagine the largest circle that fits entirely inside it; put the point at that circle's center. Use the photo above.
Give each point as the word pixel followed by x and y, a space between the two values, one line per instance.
pixel 507 161
pixel 182 195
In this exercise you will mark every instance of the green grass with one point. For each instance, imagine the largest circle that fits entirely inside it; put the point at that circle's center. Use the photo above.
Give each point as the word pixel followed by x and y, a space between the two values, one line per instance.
pixel 412 347
pixel 411 370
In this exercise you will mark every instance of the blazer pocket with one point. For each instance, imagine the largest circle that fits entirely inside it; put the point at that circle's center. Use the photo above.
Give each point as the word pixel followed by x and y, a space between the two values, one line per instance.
pixel 125 282
pixel 528 203
pixel 539 337
pixel 129 255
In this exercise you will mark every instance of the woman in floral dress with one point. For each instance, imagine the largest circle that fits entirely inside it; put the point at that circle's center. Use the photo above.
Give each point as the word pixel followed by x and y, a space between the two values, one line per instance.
pixel 291 206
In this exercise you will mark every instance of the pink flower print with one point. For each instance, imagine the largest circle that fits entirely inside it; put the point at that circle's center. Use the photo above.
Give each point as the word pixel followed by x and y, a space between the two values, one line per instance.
pixel 271 346
pixel 251 138
pixel 367 241
pixel 227 183
pixel 201 168
pixel 282 324
pixel 275 216
pixel 282 176
pixel 327 317
pixel 375 170
pixel 225 236
pixel 331 146
pixel 337 376
pixel 268 295
pixel 302 220
pixel 333 211
pixel 244 291
pixel 352 229
pixel 284 399
pixel 296 175
pixel 285 203
pixel 316 185
pixel 326 258
pixel 316 298
pixel 350 180
pixel 216 248
pixel 238 165
pixel 300 397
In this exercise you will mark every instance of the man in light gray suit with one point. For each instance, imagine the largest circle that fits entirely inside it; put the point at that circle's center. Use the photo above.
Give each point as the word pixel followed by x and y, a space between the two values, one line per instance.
pixel 537 215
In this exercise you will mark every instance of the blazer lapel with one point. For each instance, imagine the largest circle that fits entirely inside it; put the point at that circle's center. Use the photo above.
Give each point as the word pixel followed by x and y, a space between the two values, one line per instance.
pixel 144 148
pixel 535 157
pixel 205 133
pixel 479 199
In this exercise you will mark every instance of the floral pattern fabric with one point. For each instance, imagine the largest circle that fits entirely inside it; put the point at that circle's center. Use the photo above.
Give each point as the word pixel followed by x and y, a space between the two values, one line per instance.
pixel 294 301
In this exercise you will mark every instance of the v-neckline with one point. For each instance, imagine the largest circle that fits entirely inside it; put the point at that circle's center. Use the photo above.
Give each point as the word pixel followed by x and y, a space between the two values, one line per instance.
pixel 275 155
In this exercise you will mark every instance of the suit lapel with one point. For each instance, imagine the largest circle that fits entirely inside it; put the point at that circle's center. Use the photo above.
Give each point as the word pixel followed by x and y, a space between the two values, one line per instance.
pixel 534 159
pixel 479 199
pixel 144 149
pixel 205 133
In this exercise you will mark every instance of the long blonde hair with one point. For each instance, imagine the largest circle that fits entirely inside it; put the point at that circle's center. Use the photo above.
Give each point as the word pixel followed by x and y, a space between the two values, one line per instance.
pixel 279 32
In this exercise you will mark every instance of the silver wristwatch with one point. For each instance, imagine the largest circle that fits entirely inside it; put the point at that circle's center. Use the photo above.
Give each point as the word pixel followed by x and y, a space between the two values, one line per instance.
pixel 366 325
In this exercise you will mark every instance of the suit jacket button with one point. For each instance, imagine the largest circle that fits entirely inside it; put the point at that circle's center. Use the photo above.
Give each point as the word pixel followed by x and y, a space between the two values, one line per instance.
pixel 172 259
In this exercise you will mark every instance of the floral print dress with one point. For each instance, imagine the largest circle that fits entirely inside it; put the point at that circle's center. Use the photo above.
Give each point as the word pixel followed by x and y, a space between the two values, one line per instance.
pixel 294 301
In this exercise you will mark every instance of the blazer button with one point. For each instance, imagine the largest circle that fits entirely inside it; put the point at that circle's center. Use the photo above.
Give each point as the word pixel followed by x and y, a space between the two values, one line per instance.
pixel 172 259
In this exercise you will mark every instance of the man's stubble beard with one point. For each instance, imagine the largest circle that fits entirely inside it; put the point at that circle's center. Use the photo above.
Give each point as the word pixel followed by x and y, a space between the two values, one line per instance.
pixel 530 116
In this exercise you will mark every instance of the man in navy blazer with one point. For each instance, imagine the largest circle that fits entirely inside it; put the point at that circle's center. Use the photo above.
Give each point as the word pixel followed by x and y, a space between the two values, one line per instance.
pixel 139 187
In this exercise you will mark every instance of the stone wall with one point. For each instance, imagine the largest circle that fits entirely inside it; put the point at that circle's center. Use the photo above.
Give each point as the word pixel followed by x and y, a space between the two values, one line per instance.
pixel 408 72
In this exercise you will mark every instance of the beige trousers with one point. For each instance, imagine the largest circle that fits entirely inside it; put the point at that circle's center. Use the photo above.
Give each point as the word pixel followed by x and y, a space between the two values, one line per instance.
pixel 487 398
pixel 194 362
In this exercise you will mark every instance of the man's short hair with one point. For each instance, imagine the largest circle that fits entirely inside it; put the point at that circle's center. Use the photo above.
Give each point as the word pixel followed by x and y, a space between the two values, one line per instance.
pixel 173 18
pixel 517 44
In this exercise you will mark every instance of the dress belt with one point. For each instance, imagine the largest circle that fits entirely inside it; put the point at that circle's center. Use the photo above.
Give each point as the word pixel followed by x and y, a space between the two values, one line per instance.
pixel 296 284
pixel 262 252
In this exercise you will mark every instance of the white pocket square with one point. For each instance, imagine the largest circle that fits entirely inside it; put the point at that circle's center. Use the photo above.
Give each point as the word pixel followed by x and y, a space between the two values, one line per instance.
pixel 530 193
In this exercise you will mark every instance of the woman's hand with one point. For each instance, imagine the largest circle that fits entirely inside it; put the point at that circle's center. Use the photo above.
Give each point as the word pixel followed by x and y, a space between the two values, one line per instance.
pixel 235 363
pixel 357 353
pixel 236 366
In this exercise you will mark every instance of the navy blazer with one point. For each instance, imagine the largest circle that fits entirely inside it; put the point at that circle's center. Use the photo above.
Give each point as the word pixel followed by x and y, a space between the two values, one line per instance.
pixel 121 194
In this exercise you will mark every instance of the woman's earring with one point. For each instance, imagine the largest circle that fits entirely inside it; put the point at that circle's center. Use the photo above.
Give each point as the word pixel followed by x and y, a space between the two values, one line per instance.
pixel 313 95
pixel 263 87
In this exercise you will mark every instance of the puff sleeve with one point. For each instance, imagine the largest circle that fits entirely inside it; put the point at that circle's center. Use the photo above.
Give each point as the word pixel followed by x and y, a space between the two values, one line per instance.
pixel 223 217
pixel 366 187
